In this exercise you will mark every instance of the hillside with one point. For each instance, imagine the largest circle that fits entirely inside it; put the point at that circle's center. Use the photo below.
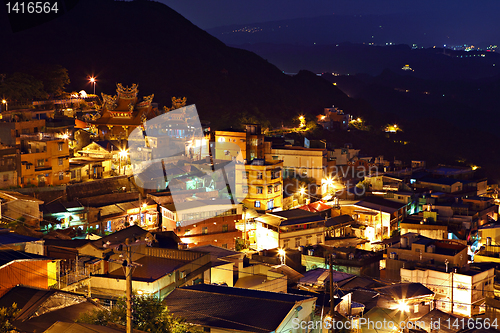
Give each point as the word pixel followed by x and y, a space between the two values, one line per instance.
pixel 150 44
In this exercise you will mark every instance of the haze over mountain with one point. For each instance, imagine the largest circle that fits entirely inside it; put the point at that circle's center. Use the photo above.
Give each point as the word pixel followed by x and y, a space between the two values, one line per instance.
pixel 150 44
pixel 477 26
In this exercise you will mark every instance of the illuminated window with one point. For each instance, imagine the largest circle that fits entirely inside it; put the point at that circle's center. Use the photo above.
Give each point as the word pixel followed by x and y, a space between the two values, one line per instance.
pixel 270 189
pixel 259 189
pixel 285 243
pixel 244 189
pixel 259 175
pixel 60 160
pixel 40 163
pixel 204 230
pixel 60 146
pixel 244 174
pixel 224 228
pixel 257 204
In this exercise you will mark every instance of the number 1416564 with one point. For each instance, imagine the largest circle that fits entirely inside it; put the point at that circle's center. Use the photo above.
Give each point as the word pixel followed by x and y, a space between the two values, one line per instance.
pixel 38 7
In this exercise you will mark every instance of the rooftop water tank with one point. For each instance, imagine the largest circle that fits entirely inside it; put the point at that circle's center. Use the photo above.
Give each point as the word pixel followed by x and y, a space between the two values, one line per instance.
pixel 404 242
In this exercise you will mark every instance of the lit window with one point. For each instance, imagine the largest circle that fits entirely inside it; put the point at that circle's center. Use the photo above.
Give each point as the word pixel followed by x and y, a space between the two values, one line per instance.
pixel 257 204
pixel 259 189
pixel 204 230
pixel 60 146
pixel 259 175
pixel 270 189
pixel 225 228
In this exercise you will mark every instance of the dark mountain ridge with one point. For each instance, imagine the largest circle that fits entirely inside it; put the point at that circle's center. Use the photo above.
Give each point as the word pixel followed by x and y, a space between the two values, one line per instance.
pixel 150 44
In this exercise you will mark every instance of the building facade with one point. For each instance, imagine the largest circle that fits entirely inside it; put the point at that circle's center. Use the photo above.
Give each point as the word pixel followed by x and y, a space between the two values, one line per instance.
pixel 259 184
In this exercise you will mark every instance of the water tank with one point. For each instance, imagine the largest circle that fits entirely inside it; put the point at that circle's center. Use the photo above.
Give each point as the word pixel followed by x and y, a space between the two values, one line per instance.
pixel 393 255
pixel 310 252
pixel 431 248
pixel 488 241
pixel 301 249
pixel 404 242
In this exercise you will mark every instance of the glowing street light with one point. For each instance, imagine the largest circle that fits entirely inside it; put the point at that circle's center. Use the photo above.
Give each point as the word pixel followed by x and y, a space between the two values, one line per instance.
pixel 4 102
pixel 282 254
pixel 403 306
pixel 123 155
pixel 302 121
pixel 92 81
pixel 65 136
pixel 302 190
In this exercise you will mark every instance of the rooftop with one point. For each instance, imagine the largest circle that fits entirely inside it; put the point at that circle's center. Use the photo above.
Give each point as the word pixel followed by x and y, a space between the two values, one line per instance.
pixel 440 181
pixel 232 308
pixel 8 256
pixel 8 237
pixel 151 269
pixel 377 203
pixel 294 214
pixel 405 290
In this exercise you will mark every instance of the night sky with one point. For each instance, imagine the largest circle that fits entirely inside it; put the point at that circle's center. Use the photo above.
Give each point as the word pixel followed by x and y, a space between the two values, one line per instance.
pixel 211 13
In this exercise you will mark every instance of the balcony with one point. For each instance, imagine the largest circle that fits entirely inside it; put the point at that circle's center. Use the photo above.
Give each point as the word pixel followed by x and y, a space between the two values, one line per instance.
pixel 43 168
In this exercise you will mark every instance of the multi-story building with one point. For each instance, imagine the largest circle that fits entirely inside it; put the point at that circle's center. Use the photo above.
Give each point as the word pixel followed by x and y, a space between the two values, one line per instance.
pixel 204 222
pixel 457 291
pixel 379 216
pixel 44 160
pixel 259 184
pixel 414 249
pixel 289 229
pixel 248 143
pixel 333 118
pixel 10 132
pixel 300 162
pixel 9 164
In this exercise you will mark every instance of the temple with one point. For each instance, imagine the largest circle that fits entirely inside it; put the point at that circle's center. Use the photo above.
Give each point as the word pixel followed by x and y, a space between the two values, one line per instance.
pixel 122 113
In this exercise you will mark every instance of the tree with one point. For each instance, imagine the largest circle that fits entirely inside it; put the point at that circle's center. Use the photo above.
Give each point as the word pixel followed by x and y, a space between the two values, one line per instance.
pixel 21 87
pixel 55 78
pixel 7 316
pixel 149 314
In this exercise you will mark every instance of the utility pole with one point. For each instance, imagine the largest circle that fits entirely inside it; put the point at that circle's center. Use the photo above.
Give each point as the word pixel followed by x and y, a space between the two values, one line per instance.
pixel 331 290
pixel 128 272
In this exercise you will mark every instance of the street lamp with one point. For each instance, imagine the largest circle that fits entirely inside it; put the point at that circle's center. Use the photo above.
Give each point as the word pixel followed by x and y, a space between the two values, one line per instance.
pixel 92 81
pixel 4 101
